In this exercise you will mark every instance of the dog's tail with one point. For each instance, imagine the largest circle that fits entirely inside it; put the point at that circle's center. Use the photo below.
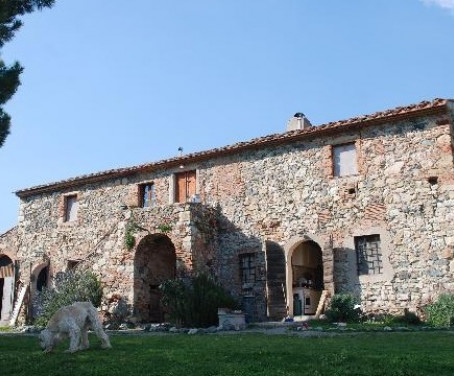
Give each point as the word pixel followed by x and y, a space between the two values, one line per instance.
pixel 93 317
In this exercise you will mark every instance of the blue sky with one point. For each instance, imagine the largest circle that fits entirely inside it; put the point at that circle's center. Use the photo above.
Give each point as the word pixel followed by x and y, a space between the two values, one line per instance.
pixel 111 84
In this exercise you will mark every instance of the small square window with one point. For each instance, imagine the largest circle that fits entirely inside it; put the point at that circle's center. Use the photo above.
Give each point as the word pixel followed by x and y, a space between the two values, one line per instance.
pixel 71 207
pixel 147 195
pixel 344 160
pixel 368 254
pixel 247 268
pixel 71 265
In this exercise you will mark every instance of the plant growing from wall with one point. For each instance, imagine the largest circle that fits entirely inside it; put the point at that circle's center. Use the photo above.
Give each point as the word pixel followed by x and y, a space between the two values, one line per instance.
pixel 165 227
pixel 130 240
pixel 441 312
pixel 70 287
pixel 195 302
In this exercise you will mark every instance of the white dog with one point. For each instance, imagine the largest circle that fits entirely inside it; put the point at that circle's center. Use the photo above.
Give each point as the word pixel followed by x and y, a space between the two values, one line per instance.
pixel 73 321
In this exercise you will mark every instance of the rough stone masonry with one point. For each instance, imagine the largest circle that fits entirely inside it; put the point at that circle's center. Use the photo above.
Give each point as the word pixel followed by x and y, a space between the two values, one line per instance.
pixel 364 205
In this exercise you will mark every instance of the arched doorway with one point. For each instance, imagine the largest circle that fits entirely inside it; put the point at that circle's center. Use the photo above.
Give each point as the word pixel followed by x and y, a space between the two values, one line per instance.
pixel 304 278
pixel 39 280
pixel 42 279
pixel 155 262
pixel 7 274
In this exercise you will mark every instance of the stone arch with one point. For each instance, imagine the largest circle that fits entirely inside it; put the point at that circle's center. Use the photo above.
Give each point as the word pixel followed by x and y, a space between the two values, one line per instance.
pixel 7 280
pixel 304 274
pixel 39 278
pixel 154 262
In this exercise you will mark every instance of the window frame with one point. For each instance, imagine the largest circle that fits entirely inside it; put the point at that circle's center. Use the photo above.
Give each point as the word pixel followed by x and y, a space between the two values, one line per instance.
pixel 338 171
pixel 248 269
pixel 369 255
pixel 151 200
pixel 190 190
pixel 71 208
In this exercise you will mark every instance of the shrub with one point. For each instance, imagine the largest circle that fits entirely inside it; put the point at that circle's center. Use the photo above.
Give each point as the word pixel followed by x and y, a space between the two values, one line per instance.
pixel 195 302
pixel 70 287
pixel 342 308
pixel 441 312
pixel 408 318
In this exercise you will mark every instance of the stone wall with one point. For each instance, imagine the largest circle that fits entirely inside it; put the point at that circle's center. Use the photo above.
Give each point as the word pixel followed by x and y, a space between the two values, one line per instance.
pixel 97 237
pixel 9 243
pixel 285 194
pixel 404 190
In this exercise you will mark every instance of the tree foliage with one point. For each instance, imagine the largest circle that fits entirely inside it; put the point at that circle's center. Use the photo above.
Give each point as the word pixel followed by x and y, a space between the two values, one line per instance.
pixel 441 312
pixel 10 11
pixel 342 308
pixel 195 302
pixel 70 287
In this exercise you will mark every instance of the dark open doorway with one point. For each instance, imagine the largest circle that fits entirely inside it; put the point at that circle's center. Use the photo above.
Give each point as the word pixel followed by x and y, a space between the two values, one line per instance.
pixel 155 262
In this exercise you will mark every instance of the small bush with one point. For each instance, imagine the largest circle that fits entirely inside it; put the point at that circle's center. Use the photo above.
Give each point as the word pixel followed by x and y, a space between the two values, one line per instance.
pixel 342 308
pixel 195 302
pixel 70 287
pixel 408 318
pixel 441 312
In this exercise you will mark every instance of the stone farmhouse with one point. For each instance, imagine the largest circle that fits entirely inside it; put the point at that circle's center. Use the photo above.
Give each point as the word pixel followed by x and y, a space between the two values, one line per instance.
pixel 364 205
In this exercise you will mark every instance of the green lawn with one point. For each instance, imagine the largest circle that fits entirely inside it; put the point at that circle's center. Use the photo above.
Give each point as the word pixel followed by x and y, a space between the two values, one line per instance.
pixel 428 353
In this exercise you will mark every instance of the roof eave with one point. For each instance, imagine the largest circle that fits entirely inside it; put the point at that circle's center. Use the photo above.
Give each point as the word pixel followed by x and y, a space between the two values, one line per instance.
pixel 267 141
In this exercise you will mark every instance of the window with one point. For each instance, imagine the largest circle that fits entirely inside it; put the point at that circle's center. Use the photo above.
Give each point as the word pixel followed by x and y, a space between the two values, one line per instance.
pixel 368 254
pixel 344 158
pixel 71 206
pixel 72 264
pixel 247 268
pixel 185 186
pixel 147 195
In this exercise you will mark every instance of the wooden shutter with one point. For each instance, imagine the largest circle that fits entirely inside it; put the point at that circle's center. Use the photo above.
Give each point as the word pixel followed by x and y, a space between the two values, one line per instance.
pixel 190 184
pixel 185 186
pixel 275 281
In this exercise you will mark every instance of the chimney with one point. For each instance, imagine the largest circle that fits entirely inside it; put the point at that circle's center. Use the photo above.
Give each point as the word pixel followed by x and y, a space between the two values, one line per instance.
pixel 298 121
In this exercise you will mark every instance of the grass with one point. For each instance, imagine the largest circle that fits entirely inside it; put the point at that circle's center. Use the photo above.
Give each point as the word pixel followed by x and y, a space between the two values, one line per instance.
pixel 400 354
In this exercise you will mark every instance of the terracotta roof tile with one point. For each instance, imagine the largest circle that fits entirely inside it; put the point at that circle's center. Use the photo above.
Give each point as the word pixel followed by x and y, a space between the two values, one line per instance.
pixel 394 114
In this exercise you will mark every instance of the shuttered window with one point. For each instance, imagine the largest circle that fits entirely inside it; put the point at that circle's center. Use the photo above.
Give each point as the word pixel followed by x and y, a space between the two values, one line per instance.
pixel 185 186
pixel 344 158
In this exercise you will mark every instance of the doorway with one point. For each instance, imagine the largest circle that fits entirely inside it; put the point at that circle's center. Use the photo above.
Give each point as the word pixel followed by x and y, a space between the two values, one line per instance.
pixel 305 276
pixel 155 262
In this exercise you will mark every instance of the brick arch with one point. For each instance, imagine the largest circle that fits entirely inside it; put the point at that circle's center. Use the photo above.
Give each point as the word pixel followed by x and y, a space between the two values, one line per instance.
pixel 10 255
pixel 154 262
pixel 39 278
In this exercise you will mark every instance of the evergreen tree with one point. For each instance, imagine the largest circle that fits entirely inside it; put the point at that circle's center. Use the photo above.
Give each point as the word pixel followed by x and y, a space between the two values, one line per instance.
pixel 10 11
